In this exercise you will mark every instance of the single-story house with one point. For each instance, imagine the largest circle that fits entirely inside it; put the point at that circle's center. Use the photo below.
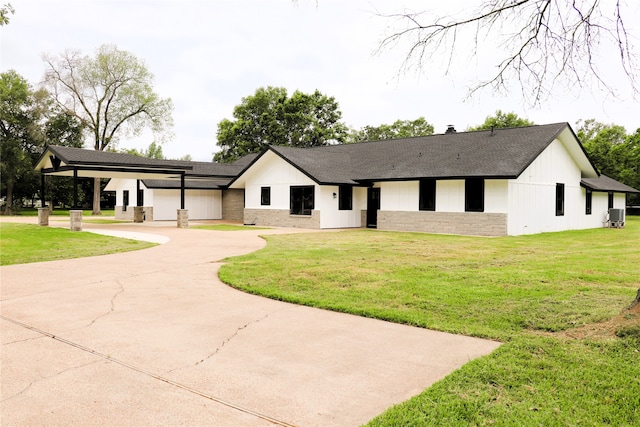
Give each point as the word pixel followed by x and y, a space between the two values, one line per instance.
pixel 497 182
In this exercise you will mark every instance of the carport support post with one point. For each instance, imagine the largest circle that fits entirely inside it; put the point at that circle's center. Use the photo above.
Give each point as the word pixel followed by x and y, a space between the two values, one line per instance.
pixel 183 214
pixel 43 210
pixel 75 215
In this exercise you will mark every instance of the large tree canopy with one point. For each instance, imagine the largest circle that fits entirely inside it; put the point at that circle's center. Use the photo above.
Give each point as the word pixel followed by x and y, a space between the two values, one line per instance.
pixel 271 117
pixel 28 122
pixel 502 120
pixel 111 94
pixel 398 129
pixel 614 152
pixel 538 42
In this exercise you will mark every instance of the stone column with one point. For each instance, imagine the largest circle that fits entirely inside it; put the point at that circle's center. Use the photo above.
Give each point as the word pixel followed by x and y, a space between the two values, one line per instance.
pixel 43 216
pixel 76 220
pixel 183 218
pixel 138 214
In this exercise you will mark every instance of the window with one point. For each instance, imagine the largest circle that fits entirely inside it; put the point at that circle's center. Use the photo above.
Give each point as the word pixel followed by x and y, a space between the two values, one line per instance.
pixel 474 195
pixel 345 198
pixel 301 200
pixel 125 200
pixel 610 200
pixel 559 199
pixel 427 195
pixel 589 200
pixel 265 196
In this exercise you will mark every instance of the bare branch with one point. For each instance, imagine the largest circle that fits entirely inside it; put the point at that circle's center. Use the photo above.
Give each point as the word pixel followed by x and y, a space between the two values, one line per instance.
pixel 543 42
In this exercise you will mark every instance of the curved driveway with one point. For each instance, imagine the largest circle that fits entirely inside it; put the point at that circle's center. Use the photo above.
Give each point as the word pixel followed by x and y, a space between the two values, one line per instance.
pixel 154 338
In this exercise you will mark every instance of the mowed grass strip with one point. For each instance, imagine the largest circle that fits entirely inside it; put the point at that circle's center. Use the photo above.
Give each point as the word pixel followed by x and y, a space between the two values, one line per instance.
pixel 486 287
pixel 27 243
pixel 530 292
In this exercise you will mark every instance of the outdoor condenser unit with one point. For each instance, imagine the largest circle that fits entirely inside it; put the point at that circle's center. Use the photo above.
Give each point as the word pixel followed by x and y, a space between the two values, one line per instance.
pixel 616 217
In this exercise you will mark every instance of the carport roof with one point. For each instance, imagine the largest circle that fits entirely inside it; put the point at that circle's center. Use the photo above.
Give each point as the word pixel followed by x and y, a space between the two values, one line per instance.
pixel 66 161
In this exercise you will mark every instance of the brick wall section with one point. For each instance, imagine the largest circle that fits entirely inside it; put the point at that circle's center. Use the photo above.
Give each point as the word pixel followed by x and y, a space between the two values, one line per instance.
pixel 281 218
pixel 232 204
pixel 128 215
pixel 464 223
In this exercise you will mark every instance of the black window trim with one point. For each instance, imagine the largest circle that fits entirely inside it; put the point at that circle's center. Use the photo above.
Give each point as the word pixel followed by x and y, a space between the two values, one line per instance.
pixel 560 198
pixel 345 197
pixel 265 196
pixel 588 201
pixel 303 211
pixel 427 196
pixel 468 206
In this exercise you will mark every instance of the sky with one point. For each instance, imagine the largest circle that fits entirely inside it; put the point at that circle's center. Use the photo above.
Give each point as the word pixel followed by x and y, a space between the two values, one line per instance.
pixel 208 55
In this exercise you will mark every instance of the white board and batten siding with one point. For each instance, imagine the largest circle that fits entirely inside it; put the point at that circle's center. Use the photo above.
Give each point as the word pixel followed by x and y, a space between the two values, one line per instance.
pixel 331 216
pixel 273 172
pixel 532 196
pixel 450 196
pixel 201 204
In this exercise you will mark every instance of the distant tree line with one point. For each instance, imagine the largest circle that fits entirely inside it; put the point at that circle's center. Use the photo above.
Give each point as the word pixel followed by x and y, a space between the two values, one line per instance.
pixel 31 120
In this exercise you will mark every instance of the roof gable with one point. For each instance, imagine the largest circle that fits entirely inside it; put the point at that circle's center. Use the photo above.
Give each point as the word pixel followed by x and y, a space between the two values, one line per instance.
pixel 499 153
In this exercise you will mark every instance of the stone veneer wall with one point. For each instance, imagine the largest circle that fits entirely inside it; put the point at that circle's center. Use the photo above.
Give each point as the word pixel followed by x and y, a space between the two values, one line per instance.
pixel 465 223
pixel 232 204
pixel 281 218
pixel 128 215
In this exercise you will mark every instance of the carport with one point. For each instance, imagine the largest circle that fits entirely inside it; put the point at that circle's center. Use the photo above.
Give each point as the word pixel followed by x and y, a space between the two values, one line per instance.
pixel 82 163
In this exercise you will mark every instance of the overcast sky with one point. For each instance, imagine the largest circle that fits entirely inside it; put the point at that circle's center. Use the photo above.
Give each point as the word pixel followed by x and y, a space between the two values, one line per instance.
pixel 207 55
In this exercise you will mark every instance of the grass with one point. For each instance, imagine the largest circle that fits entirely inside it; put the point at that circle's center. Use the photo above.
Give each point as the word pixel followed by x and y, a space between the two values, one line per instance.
pixel 227 227
pixel 538 294
pixel 60 212
pixel 26 243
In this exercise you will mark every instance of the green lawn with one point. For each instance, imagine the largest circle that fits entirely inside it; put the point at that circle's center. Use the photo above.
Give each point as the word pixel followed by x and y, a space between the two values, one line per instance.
pixel 61 212
pixel 26 243
pixel 556 300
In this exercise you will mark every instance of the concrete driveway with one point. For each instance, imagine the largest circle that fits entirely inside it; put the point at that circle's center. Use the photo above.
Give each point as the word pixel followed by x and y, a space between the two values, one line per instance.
pixel 154 338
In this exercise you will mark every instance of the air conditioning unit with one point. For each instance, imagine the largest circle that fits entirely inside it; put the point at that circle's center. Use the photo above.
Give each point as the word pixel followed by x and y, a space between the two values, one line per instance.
pixel 616 217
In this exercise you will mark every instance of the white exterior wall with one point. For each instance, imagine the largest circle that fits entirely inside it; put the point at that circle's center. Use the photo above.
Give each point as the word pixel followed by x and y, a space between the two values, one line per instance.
pixel 272 171
pixel 532 196
pixel 405 196
pixel 201 204
pixel 331 216
pixel 119 185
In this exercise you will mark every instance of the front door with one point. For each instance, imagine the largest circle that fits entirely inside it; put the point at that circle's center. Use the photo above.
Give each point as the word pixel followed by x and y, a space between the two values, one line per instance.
pixel 373 205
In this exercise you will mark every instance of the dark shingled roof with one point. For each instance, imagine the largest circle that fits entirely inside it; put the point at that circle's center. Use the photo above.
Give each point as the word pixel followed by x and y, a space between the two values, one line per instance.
pixel 81 156
pixel 604 183
pixel 502 153
pixel 87 158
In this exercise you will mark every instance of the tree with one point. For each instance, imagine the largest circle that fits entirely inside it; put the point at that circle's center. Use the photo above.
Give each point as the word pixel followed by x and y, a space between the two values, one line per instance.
pixel 270 117
pixel 502 120
pixel 5 10
pixel 541 42
pixel 153 152
pixel 21 110
pixel 112 96
pixel 612 151
pixel 398 129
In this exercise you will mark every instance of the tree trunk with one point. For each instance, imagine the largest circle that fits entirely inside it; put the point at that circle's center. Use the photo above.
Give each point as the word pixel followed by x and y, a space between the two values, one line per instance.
pixel 8 207
pixel 96 197
pixel 635 301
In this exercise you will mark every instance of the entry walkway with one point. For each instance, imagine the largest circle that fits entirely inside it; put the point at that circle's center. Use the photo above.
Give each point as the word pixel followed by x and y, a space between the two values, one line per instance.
pixel 152 337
